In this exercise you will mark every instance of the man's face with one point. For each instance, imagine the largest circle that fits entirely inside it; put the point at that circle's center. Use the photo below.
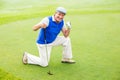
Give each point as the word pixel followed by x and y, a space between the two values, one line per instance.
pixel 59 16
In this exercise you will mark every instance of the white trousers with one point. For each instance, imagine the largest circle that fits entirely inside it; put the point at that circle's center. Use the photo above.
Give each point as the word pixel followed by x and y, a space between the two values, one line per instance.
pixel 45 51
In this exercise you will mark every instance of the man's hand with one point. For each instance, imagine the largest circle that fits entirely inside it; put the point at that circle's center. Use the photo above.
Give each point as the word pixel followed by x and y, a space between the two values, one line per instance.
pixel 68 24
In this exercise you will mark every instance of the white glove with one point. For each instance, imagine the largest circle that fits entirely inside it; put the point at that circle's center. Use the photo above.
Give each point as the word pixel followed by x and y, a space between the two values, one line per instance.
pixel 68 24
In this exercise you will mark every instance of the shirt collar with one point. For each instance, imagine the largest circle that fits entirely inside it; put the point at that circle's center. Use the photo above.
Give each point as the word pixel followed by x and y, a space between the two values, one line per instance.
pixel 53 19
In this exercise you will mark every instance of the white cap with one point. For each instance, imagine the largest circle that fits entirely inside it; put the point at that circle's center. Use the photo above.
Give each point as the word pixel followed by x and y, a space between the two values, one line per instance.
pixel 61 9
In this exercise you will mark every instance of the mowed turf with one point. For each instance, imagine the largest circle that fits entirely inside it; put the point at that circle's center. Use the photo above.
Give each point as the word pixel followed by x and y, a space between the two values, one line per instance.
pixel 94 36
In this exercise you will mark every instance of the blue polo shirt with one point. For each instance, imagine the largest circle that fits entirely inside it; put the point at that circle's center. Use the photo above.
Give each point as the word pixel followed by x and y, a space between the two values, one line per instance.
pixel 52 30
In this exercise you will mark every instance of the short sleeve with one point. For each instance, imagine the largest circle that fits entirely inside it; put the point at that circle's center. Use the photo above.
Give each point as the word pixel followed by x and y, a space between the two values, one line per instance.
pixel 45 21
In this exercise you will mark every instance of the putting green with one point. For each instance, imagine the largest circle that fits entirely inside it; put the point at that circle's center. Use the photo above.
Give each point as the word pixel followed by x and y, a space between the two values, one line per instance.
pixel 94 36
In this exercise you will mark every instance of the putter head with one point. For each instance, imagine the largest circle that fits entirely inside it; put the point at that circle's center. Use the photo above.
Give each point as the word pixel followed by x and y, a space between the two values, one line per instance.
pixel 50 73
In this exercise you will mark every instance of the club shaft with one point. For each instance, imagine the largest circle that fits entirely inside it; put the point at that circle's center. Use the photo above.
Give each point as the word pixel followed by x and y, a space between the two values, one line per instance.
pixel 46 50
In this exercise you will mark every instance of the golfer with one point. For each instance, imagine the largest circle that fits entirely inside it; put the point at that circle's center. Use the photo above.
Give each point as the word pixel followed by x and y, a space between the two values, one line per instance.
pixel 48 37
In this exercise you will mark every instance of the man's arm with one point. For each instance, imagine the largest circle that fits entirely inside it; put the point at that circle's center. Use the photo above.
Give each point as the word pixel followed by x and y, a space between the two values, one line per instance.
pixel 66 32
pixel 43 24
pixel 38 26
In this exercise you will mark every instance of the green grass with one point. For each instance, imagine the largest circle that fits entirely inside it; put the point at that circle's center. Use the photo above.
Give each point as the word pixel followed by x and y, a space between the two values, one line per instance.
pixel 7 76
pixel 94 35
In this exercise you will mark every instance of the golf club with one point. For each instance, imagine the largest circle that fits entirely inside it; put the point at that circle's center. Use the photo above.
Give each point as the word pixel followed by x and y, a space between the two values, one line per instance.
pixel 46 50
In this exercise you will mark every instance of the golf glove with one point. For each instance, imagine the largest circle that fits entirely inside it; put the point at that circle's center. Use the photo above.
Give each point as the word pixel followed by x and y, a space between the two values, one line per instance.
pixel 68 24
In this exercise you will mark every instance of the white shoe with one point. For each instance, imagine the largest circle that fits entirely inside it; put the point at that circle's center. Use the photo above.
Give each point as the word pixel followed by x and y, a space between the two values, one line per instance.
pixel 24 59
pixel 66 60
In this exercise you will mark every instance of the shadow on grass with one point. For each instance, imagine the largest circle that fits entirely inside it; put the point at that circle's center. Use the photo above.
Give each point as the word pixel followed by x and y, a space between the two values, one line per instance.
pixel 7 76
